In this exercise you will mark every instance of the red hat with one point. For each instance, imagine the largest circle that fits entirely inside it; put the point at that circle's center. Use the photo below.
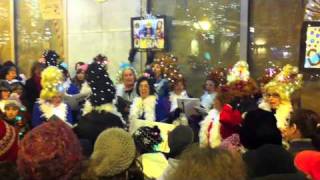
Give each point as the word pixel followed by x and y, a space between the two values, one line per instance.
pixel 309 163
pixel 8 142
pixel 50 151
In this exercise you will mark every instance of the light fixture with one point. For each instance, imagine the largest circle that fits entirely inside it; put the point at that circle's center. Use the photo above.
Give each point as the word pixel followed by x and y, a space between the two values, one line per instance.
pixel 202 25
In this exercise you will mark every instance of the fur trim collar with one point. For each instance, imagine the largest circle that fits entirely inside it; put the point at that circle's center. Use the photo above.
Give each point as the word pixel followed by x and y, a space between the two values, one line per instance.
pixel 210 137
pixel 146 106
pixel 85 89
pixel 48 110
pixel 109 107
pixel 282 113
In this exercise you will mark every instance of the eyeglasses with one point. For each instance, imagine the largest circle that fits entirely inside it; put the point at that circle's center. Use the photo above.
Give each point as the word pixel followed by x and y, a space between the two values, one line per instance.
pixel 275 95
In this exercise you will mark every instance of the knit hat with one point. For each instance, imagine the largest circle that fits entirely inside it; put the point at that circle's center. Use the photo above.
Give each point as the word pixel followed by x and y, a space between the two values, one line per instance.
pixel 309 163
pixel 51 82
pixel 4 86
pixel 8 142
pixel 179 138
pixel 147 138
pixel 114 152
pixel 103 90
pixel 51 57
pixel 14 101
pixel 50 151
pixel 258 128
pixel 269 159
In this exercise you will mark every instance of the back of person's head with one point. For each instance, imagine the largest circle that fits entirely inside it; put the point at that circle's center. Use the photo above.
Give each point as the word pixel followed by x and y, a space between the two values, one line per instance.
pixel 208 164
pixel 269 159
pixel 147 139
pixel 50 151
pixel 93 123
pixel 178 140
pixel 8 170
pixel 114 157
pixel 308 124
pixel 259 128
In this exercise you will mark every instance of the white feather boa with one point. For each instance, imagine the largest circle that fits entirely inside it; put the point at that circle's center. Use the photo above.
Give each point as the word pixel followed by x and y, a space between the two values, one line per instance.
pixel 109 107
pixel 146 106
pixel 48 110
pixel 282 112
pixel 215 138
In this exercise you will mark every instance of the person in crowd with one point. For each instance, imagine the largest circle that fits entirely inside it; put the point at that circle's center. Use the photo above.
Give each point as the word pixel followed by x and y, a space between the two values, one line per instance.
pixel 161 84
pixel 50 151
pixel 126 90
pixel 179 139
pixel 114 157
pixel 80 78
pixel 220 123
pixel 261 163
pixel 5 91
pixel 8 143
pixel 258 128
pixel 146 140
pixel 50 102
pixel 303 131
pixel 15 115
pixel 9 72
pixel 177 91
pixel 210 92
pixel 147 105
pixel 99 112
pixel 33 85
pixel 276 94
pixel 308 162
pixel 208 164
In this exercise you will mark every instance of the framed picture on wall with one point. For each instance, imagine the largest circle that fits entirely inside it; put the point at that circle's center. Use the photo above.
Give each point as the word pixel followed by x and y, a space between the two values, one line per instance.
pixel 148 34
pixel 310 47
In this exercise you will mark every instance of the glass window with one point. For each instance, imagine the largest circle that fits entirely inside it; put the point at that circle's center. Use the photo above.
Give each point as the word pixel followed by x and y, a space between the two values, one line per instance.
pixel 204 34
pixel 39 26
pixel 6 40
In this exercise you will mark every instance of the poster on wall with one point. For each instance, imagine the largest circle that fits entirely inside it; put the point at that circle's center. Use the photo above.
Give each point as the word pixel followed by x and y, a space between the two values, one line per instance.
pixel 51 9
pixel 310 46
pixel 148 33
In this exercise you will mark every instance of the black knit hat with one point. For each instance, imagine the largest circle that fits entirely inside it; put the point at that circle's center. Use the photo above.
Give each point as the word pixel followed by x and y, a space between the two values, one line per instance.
pixel 51 57
pixel 178 139
pixel 147 138
pixel 103 90
pixel 258 128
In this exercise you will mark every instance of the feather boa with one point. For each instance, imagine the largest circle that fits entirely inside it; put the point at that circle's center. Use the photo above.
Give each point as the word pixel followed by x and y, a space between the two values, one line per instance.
pixel 48 110
pixel 174 99
pixel 282 113
pixel 146 106
pixel 214 139
pixel 109 107
pixel 85 89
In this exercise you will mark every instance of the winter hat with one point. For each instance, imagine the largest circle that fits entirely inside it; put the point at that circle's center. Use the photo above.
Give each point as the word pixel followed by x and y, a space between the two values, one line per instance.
pixel 179 138
pixel 8 142
pixel 103 90
pixel 14 101
pixel 50 151
pixel 50 57
pixel 147 138
pixel 51 82
pixel 114 152
pixel 258 128
pixel 309 163
pixel 4 86
pixel 269 159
